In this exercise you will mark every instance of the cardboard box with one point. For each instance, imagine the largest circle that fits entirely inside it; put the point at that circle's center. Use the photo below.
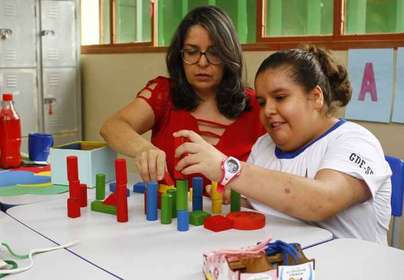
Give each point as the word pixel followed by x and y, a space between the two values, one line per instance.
pixel 93 157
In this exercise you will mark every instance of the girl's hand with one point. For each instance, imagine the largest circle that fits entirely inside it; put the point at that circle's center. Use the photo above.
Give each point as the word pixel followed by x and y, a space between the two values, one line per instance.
pixel 151 164
pixel 198 156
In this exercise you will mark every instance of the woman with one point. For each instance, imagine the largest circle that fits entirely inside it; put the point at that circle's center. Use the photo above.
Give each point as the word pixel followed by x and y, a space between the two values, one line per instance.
pixel 310 165
pixel 204 93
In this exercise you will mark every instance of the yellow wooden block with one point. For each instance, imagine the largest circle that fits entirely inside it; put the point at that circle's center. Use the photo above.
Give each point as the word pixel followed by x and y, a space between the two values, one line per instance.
pixel 217 206
pixel 164 188
pixel 214 194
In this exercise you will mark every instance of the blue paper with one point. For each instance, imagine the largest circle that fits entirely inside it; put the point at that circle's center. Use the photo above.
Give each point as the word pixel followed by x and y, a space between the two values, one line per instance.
pixel 10 178
pixel 371 75
pixel 398 109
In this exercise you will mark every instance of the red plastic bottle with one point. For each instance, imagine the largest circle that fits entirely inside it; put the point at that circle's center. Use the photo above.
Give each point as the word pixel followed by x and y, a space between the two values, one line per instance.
pixel 10 134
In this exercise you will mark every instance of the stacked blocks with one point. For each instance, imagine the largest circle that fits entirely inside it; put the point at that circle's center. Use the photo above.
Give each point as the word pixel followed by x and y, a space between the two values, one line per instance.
pixel 182 205
pixel 98 205
pixel 77 192
pixel 116 203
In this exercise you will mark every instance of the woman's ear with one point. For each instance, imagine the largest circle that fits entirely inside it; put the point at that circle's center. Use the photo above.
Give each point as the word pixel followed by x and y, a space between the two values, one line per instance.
pixel 317 97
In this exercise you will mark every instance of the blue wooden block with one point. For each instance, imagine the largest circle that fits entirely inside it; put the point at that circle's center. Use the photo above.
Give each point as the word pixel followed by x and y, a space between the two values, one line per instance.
pixel 182 220
pixel 197 190
pixel 151 201
pixel 139 187
pixel 112 188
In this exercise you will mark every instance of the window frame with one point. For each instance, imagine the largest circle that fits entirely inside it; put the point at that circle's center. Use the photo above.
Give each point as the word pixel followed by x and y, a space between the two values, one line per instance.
pixel 336 41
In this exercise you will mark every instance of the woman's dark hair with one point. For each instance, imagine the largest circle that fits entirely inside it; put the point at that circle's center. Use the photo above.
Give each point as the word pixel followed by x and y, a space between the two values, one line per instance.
pixel 230 95
pixel 310 66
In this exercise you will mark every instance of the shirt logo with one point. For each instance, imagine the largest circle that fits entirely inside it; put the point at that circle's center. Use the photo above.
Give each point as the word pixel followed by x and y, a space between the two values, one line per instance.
pixel 361 163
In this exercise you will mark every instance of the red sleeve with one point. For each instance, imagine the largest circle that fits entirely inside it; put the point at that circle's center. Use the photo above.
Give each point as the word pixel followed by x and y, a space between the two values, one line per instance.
pixel 157 94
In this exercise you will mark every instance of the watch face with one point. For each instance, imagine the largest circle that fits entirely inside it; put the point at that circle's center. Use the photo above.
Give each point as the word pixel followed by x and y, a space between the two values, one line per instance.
pixel 232 166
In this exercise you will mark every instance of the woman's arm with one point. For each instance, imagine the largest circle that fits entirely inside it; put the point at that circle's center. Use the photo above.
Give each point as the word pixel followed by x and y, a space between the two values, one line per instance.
pixel 320 198
pixel 122 131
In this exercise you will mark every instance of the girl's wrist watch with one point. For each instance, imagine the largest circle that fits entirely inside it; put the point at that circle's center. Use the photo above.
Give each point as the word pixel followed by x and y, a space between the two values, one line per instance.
pixel 231 168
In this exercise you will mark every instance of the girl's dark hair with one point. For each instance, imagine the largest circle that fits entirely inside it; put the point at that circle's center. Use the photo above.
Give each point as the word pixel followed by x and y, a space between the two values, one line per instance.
pixel 310 66
pixel 230 95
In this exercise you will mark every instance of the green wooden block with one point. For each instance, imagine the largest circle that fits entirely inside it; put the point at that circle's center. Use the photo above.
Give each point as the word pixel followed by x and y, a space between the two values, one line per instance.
pixel 100 186
pixel 198 217
pixel 99 206
pixel 173 194
pixel 166 209
pixel 182 195
pixel 234 201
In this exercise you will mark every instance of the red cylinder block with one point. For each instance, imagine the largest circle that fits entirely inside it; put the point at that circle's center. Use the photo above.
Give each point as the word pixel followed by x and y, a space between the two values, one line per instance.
pixel 72 168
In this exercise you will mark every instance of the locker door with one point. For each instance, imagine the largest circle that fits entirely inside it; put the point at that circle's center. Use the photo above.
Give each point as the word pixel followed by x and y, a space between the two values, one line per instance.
pixel 17 33
pixel 61 108
pixel 58 32
pixel 22 83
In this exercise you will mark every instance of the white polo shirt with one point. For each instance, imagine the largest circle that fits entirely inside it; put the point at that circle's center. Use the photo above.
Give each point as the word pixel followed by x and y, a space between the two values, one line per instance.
pixel 348 148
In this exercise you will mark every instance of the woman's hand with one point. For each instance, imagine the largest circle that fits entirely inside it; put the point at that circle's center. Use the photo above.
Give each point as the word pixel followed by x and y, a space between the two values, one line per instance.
pixel 198 156
pixel 151 164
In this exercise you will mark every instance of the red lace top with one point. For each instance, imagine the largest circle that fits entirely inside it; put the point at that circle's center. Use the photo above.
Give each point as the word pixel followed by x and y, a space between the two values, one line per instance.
pixel 236 140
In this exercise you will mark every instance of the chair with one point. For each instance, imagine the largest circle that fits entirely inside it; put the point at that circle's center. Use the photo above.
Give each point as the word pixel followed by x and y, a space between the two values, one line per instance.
pixel 397 191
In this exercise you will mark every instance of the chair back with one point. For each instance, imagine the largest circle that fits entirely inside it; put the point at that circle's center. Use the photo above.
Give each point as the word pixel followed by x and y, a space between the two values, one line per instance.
pixel 397 196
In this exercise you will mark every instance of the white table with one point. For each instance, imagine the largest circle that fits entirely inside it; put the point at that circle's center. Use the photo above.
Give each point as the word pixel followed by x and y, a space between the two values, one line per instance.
pixel 356 259
pixel 148 250
pixel 59 264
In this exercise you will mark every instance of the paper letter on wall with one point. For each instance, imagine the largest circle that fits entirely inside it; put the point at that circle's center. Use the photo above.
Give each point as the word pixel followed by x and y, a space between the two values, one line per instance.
pixel 371 75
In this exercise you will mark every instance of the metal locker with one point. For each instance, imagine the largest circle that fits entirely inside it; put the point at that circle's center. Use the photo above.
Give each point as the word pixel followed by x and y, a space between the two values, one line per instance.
pixel 58 33
pixel 18 33
pixel 22 83
pixel 61 109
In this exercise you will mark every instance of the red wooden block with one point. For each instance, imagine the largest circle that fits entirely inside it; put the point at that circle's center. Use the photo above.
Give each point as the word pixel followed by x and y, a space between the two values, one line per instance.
pixel 121 176
pixel 247 220
pixel 72 168
pixel 73 207
pixel 121 203
pixel 74 189
pixel 111 199
pixel 83 195
pixel 218 223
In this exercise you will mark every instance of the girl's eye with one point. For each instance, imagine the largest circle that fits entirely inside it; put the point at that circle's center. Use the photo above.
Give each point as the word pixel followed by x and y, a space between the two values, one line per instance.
pixel 280 97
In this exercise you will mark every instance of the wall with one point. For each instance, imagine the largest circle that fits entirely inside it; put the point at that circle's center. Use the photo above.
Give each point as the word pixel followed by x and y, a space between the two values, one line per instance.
pixel 110 81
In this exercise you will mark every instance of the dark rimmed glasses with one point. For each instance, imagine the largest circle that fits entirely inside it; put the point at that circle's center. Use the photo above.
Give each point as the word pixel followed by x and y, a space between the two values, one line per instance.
pixel 192 56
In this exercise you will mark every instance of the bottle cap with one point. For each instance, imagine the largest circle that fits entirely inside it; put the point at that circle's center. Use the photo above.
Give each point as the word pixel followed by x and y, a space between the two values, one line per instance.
pixel 7 96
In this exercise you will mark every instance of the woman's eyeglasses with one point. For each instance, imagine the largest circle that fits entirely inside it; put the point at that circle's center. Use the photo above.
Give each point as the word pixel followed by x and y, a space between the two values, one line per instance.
pixel 192 56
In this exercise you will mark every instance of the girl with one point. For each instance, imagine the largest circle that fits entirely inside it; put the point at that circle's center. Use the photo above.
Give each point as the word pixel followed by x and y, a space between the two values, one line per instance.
pixel 310 165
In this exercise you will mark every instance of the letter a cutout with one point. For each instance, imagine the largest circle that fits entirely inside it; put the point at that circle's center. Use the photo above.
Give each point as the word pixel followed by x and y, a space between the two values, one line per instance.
pixel 368 83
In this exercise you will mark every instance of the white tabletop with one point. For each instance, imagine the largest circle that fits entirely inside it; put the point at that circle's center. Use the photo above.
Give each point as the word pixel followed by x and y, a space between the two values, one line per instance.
pixel 140 248
pixel 59 264
pixel 356 259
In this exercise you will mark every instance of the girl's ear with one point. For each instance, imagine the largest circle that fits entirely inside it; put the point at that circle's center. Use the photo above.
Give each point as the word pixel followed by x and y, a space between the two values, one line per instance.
pixel 317 97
